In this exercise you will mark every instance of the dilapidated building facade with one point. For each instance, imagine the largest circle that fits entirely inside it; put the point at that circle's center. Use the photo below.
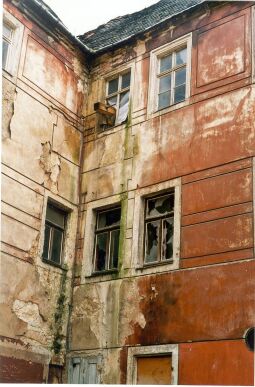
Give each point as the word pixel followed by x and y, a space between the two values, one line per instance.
pixel 128 196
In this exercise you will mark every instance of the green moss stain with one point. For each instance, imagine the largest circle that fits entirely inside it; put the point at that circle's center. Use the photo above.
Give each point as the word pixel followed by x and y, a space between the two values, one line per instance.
pixel 59 315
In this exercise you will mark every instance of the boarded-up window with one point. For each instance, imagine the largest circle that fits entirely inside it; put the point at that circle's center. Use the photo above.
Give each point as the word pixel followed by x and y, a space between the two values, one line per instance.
pixel 154 370
pixel 84 370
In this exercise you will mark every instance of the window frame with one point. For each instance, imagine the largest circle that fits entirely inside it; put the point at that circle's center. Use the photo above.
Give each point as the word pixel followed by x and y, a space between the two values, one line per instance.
pixel 108 230
pixel 14 50
pixel 160 218
pixel 54 226
pixel 138 251
pixel 8 41
pixel 118 92
pixel 90 215
pixel 121 70
pixel 151 351
pixel 154 76
pixel 69 244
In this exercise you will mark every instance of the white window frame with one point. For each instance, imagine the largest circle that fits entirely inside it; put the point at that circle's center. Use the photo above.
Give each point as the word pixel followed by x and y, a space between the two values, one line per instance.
pixel 89 238
pixel 14 49
pixel 117 73
pixel 139 227
pixel 153 350
pixel 155 57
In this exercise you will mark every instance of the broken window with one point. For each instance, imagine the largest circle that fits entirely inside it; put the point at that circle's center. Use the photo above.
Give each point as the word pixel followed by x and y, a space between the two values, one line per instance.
pixel 54 234
pixel 107 239
pixel 172 71
pixel 6 44
pixel 159 228
pixel 118 91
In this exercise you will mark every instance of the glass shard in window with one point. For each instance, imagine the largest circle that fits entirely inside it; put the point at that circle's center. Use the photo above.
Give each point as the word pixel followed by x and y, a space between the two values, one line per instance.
pixel 125 82
pixel 101 251
pixel 160 206
pixel 165 63
pixel 112 101
pixel 164 84
pixel 181 56
pixel 113 86
pixel 123 107
pixel 167 238
pixel 152 241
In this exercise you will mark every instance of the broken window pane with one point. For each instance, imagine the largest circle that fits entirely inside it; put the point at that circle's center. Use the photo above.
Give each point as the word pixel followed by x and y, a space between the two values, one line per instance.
pixel 109 218
pixel 101 251
pixel 112 101
pixel 165 63
pixel 159 228
pixel 165 84
pixel 167 239
pixel 113 86
pixel 125 81
pixel 181 56
pixel 123 108
pixel 114 249
pixel 160 206
pixel 152 241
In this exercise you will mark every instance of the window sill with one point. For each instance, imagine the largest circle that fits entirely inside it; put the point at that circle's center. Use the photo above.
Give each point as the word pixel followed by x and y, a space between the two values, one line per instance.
pixel 159 267
pixel 51 263
pixel 110 130
pixel 103 272
pixel 168 109
pixel 155 264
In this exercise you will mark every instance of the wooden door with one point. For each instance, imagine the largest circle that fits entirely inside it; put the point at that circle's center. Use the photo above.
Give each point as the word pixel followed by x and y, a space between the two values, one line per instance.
pixel 154 370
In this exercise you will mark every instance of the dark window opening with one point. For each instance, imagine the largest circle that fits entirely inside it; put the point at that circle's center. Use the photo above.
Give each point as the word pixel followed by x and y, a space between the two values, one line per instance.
pixel 54 234
pixel 107 240
pixel 159 229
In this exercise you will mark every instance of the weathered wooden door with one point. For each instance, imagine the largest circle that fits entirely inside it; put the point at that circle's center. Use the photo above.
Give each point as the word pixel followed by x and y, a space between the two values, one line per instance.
pixel 84 370
pixel 154 370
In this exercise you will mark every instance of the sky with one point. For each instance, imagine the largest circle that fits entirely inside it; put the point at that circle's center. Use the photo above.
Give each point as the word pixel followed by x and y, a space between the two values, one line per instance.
pixel 80 16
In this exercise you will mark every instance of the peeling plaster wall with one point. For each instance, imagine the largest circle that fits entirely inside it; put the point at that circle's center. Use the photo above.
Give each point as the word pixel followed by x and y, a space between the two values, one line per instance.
pixel 206 304
pixel 208 144
pixel 41 151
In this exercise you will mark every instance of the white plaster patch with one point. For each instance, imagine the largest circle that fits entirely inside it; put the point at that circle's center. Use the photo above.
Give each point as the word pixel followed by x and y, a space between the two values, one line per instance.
pixel 28 312
pixel 141 320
